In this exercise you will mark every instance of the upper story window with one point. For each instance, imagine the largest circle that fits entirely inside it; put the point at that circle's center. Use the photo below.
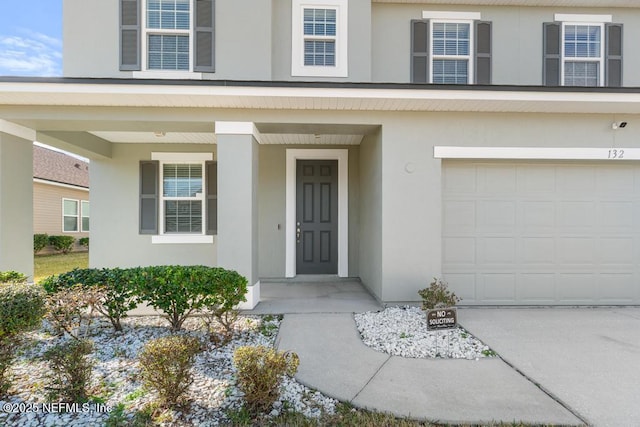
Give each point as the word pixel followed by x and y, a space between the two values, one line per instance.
pixel 319 38
pixel 167 36
pixel 451 48
pixel 582 50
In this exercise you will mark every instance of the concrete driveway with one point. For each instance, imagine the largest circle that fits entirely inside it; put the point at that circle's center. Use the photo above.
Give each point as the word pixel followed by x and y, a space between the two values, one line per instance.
pixel 588 359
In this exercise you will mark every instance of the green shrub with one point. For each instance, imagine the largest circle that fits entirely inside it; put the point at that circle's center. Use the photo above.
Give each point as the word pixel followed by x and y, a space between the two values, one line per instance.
pixel 40 241
pixel 229 291
pixel 21 309
pixel 70 309
pixel 165 365
pixel 62 244
pixel 118 295
pixel 84 242
pixel 70 374
pixel 178 291
pixel 437 295
pixel 259 374
pixel 12 277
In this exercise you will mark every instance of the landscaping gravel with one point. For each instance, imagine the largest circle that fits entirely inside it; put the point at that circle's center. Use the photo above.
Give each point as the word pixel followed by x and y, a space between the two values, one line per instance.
pixel 402 331
pixel 116 380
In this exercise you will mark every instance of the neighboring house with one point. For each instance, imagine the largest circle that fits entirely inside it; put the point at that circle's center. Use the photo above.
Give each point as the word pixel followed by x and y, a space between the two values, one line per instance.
pixel 60 195
pixel 493 143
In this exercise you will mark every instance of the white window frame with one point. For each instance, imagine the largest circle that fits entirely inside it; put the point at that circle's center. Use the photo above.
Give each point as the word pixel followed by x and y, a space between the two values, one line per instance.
pixel 144 49
pixel 433 57
pixel 599 61
pixel 298 69
pixel 77 215
pixel 83 216
pixel 184 158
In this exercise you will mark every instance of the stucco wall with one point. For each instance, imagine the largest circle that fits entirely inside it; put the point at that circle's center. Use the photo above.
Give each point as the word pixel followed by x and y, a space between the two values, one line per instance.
pixel 115 241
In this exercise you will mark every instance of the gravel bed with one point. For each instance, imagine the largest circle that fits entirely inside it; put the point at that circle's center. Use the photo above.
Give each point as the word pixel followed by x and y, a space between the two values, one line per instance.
pixel 116 377
pixel 402 331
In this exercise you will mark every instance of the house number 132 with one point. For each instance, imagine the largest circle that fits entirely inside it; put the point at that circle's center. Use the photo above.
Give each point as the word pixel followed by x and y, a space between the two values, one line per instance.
pixel 616 154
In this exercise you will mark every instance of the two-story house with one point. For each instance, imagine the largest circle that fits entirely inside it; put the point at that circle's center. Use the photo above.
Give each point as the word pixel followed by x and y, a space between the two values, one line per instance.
pixel 490 142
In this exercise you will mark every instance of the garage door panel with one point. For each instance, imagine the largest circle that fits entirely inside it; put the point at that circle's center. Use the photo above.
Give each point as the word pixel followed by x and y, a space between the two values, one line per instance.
pixel 538 250
pixel 617 288
pixel 536 288
pixel 499 288
pixel 542 232
pixel 577 288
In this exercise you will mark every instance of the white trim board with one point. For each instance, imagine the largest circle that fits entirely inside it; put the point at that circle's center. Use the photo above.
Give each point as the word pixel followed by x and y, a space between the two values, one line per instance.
pixel 540 153
pixel 60 184
pixel 342 156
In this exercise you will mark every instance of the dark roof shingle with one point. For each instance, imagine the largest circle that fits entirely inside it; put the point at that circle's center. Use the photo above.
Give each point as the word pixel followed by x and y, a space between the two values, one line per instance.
pixel 59 167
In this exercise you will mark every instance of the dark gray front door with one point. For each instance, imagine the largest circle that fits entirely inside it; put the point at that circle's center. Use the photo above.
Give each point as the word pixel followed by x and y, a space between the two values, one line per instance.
pixel 317 217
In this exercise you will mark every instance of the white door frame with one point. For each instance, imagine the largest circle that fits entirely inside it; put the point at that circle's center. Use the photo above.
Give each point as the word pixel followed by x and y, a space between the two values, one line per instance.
pixel 342 156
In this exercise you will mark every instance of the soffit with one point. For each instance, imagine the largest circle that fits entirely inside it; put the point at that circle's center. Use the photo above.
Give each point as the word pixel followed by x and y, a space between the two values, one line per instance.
pixel 544 3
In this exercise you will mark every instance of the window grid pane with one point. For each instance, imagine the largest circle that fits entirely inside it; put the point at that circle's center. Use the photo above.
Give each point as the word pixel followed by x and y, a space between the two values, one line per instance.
pixel 451 71
pixel 450 38
pixel 168 14
pixel 182 180
pixel 168 52
pixel 70 223
pixel 582 41
pixel 85 216
pixel 320 52
pixel 183 216
pixel 319 22
pixel 581 73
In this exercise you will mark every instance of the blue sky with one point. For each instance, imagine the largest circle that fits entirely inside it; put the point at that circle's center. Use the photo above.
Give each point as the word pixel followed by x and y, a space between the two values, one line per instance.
pixel 31 38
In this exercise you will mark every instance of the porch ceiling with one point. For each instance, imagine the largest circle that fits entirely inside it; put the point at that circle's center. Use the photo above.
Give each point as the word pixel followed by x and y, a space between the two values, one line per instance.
pixel 568 3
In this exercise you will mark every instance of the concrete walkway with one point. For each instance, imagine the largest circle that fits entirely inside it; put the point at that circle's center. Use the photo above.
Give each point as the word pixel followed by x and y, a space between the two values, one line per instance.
pixel 334 360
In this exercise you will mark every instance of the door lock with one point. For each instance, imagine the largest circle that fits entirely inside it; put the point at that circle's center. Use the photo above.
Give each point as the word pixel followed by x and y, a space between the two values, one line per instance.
pixel 298 232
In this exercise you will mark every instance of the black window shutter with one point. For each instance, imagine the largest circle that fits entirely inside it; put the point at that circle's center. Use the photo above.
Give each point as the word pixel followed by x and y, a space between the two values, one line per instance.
pixel 419 51
pixel 211 177
pixel 149 196
pixel 130 35
pixel 483 52
pixel 551 57
pixel 613 55
pixel 204 22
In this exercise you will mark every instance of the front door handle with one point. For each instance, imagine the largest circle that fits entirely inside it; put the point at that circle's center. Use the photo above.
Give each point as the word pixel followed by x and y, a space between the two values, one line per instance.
pixel 298 232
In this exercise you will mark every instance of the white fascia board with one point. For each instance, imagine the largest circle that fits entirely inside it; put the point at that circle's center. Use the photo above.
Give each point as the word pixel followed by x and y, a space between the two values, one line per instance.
pixel 537 153
pixel 454 16
pixel 59 184
pixel 181 157
pixel 569 17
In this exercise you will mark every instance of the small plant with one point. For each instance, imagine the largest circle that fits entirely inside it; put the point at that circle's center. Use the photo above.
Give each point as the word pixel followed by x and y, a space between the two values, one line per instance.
pixel 70 310
pixel 437 295
pixel 12 277
pixel 404 335
pixel 40 241
pixel 21 309
pixel 117 417
pixel 84 242
pixel 70 371
pixel 489 353
pixel 165 365
pixel 62 244
pixel 260 371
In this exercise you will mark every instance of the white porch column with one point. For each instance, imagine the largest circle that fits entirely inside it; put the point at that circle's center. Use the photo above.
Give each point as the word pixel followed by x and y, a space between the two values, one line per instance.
pixel 238 203
pixel 16 204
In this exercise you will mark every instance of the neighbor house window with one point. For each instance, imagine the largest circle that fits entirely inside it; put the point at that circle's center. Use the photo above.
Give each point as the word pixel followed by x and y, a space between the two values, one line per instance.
pixel 582 50
pixel 451 48
pixel 70 215
pixel 319 38
pixel 85 216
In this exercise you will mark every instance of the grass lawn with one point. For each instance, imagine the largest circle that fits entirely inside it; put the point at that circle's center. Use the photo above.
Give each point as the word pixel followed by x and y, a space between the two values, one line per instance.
pixel 47 265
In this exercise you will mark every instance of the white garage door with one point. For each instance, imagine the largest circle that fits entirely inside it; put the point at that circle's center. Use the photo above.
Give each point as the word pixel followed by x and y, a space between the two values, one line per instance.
pixel 542 233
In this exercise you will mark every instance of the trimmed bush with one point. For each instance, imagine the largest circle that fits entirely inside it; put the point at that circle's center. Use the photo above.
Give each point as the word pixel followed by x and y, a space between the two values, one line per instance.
pixel 71 369
pixel 230 290
pixel 12 277
pixel 40 241
pixel 260 371
pixel 165 365
pixel 118 296
pixel 178 291
pixel 437 295
pixel 62 244
pixel 70 309
pixel 84 242
pixel 21 310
